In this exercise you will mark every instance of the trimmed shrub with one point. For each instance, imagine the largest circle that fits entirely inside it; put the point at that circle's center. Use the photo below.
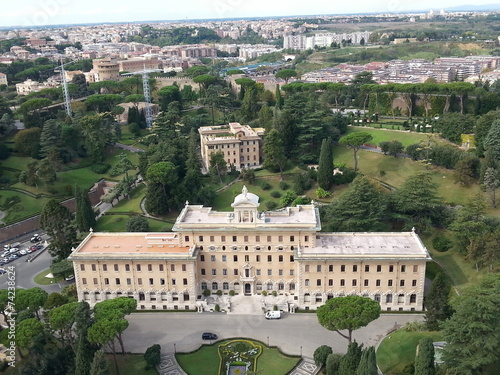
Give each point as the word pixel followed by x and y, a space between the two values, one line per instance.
pixel 275 293
pixel 265 185
pixel 232 293
pixel 275 307
pixel 284 185
pixel 441 244
pixel 264 293
pixel 206 292
pixel 217 307
pixel 275 194
pixel 271 205
pixel 219 293
pixel 100 168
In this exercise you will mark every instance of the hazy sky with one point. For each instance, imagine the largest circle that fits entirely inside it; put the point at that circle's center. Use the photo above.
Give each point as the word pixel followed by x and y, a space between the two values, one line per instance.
pixel 43 12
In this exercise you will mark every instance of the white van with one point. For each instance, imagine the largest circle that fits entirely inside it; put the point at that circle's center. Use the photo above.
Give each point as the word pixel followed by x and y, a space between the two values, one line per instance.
pixel 273 315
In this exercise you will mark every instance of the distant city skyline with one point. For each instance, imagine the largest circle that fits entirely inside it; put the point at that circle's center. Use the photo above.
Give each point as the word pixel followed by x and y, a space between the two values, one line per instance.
pixel 28 13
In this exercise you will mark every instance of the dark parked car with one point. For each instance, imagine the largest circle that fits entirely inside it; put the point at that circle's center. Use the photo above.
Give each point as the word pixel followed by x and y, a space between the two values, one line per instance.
pixel 209 336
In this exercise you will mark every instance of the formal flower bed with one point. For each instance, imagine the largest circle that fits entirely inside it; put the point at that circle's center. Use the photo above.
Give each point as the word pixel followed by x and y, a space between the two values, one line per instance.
pixel 238 357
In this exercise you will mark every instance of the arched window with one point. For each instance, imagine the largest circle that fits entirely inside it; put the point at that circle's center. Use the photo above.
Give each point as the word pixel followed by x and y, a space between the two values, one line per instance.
pixel 413 298
pixel 292 286
pixel 215 286
pixel 281 286
pixel 203 285
pixel 388 298
pixel 269 286
pixel 225 286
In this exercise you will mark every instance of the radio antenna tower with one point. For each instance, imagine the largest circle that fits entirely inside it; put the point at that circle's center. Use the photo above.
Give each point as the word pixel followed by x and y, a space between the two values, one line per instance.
pixel 67 99
pixel 148 111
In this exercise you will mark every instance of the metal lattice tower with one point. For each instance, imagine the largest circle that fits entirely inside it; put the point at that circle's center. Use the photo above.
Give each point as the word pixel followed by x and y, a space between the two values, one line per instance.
pixel 148 112
pixel 147 96
pixel 67 99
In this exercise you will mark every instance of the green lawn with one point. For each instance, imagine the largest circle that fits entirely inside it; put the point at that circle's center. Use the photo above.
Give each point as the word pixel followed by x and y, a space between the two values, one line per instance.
pixel 133 204
pixel 398 350
pixel 40 279
pixel 28 206
pixel 381 135
pixel 460 272
pixel 130 364
pixel 206 361
pixel 397 170
pixel 117 223
pixel 224 199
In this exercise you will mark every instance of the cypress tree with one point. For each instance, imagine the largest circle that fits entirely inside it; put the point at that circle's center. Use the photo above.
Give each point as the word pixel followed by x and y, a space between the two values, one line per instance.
pixel 100 365
pixel 325 169
pixel 349 362
pixel 84 216
pixel 363 363
pixel 85 350
pixel 279 98
pixel 424 361
pixel 436 303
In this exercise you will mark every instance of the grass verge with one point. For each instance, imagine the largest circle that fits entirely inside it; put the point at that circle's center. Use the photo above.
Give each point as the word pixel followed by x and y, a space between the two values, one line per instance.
pixel 41 278
pixel 398 350
pixel 130 364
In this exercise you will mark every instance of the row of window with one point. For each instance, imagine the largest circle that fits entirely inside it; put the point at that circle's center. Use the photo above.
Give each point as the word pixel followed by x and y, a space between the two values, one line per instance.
pixel 225 286
pixel 355 268
pixel 213 258
pixel 354 282
pixel 138 267
pixel 129 281
pixel 233 145
pixel 246 238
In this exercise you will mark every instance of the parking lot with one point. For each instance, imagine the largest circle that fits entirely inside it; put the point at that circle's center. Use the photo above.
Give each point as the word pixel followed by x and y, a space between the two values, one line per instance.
pixel 16 250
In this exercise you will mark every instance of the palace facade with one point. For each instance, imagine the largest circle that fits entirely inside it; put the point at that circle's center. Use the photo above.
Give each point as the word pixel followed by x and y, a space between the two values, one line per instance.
pixel 248 251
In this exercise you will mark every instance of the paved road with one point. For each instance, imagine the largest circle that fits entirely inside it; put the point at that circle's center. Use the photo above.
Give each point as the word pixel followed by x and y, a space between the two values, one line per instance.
pixel 293 333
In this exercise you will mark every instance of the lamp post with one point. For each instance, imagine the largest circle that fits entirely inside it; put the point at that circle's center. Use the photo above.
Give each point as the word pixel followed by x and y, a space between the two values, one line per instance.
pixel 268 341
pixel 301 350
pixel 175 349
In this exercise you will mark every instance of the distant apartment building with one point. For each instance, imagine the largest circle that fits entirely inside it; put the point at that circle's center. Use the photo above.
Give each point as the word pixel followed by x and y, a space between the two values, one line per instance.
pixel 138 64
pixel 106 69
pixel 241 145
pixel 3 79
pixel 29 86
pixel 303 42
pixel 35 42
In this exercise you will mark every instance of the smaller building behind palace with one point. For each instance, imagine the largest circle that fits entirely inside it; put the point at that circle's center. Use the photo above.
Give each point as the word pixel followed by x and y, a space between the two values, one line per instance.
pixel 247 252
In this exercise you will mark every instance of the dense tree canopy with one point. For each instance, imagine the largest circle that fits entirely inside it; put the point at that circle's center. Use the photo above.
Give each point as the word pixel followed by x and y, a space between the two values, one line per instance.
pixel 347 313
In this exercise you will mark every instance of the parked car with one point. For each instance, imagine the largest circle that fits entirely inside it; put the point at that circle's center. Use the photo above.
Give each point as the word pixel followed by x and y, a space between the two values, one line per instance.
pixel 69 278
pixel 6 247
pixel 273 315
pixel 2 271
pixel 39 246
pixel 4 261
pixel 13 256
pixel 209 336
pixel 23 252
pixel 14 250
pixel 36 238
pixel 5 253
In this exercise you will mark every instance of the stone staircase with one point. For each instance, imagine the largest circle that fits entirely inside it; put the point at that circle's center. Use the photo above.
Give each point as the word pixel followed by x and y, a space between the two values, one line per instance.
pixel 246 305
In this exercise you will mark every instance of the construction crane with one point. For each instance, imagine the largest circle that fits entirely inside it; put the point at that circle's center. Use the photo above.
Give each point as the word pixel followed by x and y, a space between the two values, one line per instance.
pixel 148 112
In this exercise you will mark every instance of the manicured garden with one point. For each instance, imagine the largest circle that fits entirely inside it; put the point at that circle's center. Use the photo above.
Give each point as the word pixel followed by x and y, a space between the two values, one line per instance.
pixel 382 135
pixel 398 350
pixel 217 359
pixel 130 364
pixel 394 171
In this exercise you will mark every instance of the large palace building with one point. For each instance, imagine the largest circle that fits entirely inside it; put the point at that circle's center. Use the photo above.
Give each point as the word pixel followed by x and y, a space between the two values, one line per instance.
pixel 247 252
